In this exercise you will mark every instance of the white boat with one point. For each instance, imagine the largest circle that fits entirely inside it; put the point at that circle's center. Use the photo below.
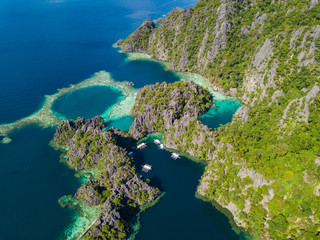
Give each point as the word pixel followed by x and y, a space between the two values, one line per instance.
pixel 162 146
pixel 175 156
pixel 141 146
pixel 146 168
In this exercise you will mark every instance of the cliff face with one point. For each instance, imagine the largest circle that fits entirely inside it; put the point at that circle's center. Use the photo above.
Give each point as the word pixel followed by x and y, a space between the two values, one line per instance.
pixel 159 106
pixel 116 190
pixel 264 165
pixel 174 109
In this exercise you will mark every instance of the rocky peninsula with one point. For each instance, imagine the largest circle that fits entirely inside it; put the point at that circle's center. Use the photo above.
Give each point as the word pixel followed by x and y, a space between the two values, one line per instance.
pixel 116 189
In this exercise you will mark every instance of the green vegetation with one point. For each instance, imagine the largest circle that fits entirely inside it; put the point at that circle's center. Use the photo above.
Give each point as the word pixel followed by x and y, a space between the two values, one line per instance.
pixel 140 38
pixel 285 157
pixel 188 133
pixel 115 188
pixel 160 96
pixel 161 103
pixel 267 166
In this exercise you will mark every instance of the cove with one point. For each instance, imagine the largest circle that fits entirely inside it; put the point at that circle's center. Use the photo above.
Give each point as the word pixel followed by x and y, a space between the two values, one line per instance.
pixel 86 102
pixel 178 214
pixel 221 114
pixel 143 72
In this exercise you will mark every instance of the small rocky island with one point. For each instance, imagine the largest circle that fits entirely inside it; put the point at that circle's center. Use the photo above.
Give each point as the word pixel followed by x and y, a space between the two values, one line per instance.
pixel 174 109
pixel 116 189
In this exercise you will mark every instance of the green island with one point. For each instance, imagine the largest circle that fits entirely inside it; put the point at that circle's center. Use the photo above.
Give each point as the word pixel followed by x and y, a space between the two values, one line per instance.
pixel 264 166
pixel 114 189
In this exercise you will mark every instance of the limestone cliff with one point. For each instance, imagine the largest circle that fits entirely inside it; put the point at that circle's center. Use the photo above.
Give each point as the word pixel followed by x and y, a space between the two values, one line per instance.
pixel 263 166
pixel 117 191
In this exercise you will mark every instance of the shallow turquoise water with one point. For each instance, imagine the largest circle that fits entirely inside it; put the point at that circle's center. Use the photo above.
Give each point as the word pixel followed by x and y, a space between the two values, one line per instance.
pixel 123 123
pixel 222 114
pixel 86 102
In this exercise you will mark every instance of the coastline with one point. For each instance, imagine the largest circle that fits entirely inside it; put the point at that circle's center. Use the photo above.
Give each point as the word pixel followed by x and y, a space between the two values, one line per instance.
pixel 46 117
pixel 136 226
pixel 225 211
pixel 216 92
pixel 217 96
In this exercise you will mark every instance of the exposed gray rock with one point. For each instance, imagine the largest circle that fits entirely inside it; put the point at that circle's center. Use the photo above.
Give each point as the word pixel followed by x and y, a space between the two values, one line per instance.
pixel 301 110
pixel 182 102
pixel 257 178
pixel 276 94
pixel 219 33
pixel 140 34
pixel 263 53
pixel 243 114
pixel 259 20
pixel 174 11
pixel 201 135
pixel 313 3
pixel 89 146
pixel 255 76
pixel 120 42
pixel 87 194
pixel 245 29
pixel 290 10
pixel 295 34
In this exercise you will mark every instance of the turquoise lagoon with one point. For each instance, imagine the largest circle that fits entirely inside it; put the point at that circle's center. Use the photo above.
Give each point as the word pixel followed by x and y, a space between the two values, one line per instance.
pixel 86 102
pixel 123 123
pixel 221 114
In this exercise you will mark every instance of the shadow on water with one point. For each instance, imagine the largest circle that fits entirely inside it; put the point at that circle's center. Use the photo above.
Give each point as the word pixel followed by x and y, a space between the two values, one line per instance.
pixel 156 182
pixel 138 160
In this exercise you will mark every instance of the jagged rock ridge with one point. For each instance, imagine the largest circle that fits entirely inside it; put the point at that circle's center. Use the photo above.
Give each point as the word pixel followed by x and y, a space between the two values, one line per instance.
pixel 117 191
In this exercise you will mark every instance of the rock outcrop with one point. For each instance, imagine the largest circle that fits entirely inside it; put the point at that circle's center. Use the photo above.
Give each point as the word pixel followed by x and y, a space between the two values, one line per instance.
pixel 159 106
pixel 116 189
pixel 139 40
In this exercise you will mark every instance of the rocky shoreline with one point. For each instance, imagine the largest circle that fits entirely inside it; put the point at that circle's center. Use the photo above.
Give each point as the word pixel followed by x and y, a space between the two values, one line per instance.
pixel 117 191
pixel 261 161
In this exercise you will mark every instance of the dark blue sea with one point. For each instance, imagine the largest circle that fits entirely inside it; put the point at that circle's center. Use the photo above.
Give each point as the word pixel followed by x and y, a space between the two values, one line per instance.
pixel 49 44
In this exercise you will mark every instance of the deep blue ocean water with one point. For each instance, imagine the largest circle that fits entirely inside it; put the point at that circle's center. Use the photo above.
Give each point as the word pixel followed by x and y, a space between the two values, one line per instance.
pixel 32 180
pixel 49 44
